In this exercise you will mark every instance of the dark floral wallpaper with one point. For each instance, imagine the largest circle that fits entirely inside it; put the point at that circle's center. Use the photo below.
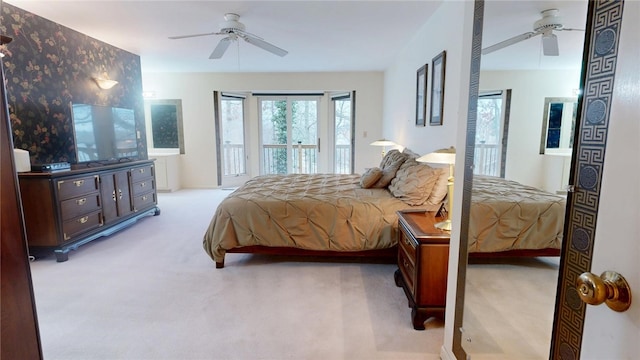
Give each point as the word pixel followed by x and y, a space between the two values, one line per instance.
pixel 48 67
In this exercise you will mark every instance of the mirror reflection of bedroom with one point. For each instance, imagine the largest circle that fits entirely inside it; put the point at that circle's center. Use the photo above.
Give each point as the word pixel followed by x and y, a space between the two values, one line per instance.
pixel 524 130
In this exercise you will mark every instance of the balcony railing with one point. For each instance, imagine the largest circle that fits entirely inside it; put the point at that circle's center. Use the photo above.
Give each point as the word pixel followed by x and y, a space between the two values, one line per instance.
pixel 343 159
pixel 487 159
pixel 304 159
pixel 234 159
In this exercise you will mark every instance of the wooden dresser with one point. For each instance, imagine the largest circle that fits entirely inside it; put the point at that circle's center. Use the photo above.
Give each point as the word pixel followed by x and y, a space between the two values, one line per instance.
pixel 66 209
pixel 423 259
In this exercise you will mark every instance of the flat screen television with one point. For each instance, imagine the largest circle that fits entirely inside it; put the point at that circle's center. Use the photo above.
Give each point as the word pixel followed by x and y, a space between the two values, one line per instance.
pixel 104 133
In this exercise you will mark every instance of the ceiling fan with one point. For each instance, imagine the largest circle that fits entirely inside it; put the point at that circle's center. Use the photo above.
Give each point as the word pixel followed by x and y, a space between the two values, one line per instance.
pixel 234 29
pixel 549 23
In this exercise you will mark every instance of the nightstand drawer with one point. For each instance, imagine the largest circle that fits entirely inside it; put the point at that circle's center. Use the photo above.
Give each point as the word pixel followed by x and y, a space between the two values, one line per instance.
pixel 407 244
pixel 408 270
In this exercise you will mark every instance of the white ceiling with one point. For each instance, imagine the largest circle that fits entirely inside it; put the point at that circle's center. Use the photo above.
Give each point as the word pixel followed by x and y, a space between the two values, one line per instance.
pixel 319 35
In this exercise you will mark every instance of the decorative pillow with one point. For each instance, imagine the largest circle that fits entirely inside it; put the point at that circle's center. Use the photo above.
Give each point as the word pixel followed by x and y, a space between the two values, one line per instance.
pixel 414 182
pixel 410 154
pixel 389 166
pixel 370 177
pixel 441 187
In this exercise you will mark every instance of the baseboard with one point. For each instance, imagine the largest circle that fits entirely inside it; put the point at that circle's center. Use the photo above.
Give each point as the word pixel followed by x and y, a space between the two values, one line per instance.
pixel 447 354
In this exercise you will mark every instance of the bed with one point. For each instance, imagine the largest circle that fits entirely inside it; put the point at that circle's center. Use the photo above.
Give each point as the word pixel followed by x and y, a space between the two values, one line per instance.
pixel 325 214
pixel 355 215
pixel 508 218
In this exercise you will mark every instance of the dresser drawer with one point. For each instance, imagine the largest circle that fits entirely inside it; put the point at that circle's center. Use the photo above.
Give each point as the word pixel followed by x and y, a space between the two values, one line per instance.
pixel 142 187
pixel 81 224
pixel 70 188
pixel 141 173
pixel 142 202
pixel 408 270
pixel 79 206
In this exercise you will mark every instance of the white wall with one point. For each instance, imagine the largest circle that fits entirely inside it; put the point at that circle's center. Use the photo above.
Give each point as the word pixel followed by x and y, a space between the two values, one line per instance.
pixel 529 88
pixel 450 29
pixel 443 31
pixel 198 164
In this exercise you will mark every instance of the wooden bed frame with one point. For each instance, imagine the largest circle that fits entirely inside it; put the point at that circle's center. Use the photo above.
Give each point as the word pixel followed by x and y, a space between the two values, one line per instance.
pixel 389 254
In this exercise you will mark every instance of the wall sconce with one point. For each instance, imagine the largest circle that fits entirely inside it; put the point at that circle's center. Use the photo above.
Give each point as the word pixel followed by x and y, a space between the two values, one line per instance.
pixel 104 83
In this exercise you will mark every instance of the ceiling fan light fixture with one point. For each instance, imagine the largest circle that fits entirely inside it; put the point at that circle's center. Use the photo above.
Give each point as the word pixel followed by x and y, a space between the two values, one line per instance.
pixel 550 45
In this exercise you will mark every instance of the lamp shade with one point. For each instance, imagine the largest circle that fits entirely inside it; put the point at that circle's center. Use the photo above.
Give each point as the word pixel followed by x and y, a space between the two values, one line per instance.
pixel 383 142
pixel 441 156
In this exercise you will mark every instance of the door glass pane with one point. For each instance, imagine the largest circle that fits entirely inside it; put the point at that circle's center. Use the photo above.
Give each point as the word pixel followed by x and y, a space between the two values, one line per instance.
pixel 304 136
pixel 488 136
pixel 274 136
pixel 233 145
pixel 342 119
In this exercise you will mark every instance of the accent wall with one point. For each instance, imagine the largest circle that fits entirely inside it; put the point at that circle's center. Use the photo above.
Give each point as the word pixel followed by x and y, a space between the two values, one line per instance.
pixel 48 67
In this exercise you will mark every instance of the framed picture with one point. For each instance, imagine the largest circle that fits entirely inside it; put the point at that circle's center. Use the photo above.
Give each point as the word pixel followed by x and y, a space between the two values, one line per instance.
pixel 437 88
pixel 421 96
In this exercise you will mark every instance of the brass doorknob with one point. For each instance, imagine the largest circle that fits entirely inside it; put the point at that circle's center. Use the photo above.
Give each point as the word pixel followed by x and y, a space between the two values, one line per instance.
pixel 610 288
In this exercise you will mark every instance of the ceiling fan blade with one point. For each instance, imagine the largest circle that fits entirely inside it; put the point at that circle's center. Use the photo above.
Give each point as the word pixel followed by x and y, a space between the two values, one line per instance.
pixel 264 45
pixel 569 29
pixel 550 45
pixel 193 35
pixel 220 48
pixel 509 42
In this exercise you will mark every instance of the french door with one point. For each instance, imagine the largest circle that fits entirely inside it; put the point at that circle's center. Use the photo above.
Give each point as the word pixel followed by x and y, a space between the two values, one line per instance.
pixel 289 135
pixel 491 133
pixel 343 135
pixel 233 162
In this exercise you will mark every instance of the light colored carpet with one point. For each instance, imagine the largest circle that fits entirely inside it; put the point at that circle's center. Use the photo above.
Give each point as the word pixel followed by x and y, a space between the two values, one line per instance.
pixel 509 307
pixel 151 292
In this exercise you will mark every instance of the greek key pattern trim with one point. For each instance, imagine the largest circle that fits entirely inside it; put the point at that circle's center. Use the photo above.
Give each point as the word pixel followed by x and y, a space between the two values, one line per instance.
pixel 599 70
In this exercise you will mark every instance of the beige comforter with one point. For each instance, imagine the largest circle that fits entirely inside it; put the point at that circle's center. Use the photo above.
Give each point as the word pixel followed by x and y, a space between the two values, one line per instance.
pixel 506 215
pixel 312 212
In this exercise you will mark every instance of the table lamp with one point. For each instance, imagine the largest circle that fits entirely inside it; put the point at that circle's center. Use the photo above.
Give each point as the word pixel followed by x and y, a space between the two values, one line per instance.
pixel 384 143
pixel 443 156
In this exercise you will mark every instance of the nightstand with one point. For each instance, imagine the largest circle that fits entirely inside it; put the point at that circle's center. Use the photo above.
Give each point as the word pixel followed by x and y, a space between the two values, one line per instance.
pixel 423 258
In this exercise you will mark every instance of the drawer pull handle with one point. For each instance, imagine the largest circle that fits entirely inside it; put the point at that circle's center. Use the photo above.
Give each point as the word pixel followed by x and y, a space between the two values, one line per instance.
pixel 83 219
pixel 142 171
pixel 120 194
pixel 144 198
pixel 406 241
pixel 78 183
pixel 143 184
pixel 406 265
pixel 81 202
pixel 113 195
